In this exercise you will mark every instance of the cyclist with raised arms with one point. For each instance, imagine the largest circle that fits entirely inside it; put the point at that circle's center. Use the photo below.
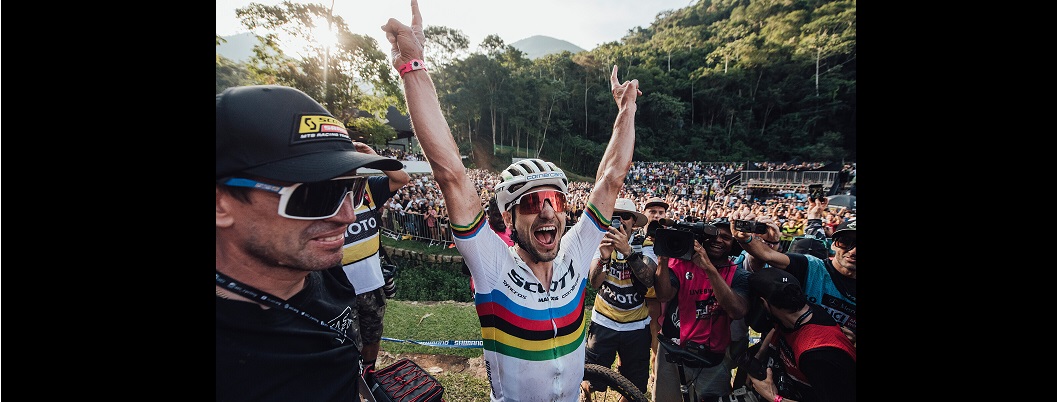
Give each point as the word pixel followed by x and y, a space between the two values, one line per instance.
pixel 529 296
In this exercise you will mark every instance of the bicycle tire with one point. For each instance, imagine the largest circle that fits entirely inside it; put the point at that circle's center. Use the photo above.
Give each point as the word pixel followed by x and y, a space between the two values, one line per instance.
pixel 616 385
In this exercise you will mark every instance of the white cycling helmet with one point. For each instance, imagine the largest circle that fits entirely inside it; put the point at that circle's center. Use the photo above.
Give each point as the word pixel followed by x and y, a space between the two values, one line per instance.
pixel 523 176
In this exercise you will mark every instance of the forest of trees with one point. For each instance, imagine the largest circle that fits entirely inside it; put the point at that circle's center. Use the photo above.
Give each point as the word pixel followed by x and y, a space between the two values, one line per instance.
pixel 722 80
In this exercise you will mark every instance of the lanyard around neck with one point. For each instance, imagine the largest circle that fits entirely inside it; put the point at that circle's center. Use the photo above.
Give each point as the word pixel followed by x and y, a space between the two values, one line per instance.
pixel 260 296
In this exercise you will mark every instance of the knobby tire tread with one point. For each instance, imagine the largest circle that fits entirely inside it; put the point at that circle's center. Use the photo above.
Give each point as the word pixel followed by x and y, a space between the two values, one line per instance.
pixel 615 381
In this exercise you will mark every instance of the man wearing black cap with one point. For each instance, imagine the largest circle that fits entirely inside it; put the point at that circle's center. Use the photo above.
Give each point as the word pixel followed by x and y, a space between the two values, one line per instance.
pixel 739 329
pixel 828 282
pixel 807 347
pixel 285 312
pixel 809 245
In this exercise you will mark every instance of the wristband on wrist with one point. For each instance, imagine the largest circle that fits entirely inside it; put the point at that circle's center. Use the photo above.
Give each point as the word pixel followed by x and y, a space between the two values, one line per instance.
pixel 414 64
pixel 777 398
pixel 748 241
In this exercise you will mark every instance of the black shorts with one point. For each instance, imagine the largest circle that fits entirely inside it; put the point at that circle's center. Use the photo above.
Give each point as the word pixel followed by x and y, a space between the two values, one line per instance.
pixel 604 344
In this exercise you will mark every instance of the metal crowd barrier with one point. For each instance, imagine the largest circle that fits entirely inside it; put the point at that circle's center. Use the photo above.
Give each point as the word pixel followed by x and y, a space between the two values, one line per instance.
pixel 790 178
pixel 410 225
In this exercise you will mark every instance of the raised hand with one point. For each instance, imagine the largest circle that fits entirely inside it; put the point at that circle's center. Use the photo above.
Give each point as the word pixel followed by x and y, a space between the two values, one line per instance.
pixel 407 41
pixel 815 208
pixel 363 148
pixel 625 94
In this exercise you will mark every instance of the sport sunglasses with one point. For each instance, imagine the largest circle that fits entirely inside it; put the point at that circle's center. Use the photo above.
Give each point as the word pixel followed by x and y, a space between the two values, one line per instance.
pixel 532 203
pixel 318 200
pixel 846 242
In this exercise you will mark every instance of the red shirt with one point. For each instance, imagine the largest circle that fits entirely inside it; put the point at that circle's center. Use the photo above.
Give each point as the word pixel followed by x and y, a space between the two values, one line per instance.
pixel 707 322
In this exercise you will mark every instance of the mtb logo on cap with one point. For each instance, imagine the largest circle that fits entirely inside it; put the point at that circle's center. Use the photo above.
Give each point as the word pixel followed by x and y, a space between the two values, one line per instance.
pixel 320 127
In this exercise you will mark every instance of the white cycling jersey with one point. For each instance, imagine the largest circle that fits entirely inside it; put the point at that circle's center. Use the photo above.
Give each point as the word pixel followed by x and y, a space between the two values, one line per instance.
pixel 533 333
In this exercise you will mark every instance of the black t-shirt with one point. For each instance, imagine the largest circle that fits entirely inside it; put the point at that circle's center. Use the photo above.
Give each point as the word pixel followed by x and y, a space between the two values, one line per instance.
pixel 276 355
pixel 836 371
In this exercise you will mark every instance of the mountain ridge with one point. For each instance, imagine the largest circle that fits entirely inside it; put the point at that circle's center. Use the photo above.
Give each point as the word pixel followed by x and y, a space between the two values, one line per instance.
pixel 537 46
pixel 239 47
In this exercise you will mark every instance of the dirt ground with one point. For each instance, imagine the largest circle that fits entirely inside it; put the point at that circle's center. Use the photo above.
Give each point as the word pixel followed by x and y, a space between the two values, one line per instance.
pixel 482 154
pixel 437 364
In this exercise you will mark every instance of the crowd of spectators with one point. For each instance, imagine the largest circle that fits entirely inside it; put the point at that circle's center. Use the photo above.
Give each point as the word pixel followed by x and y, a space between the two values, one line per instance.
pixel 418 208
pixel 400 154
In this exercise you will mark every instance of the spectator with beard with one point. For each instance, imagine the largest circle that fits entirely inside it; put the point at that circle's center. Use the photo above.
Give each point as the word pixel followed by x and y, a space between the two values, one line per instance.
pixel 620 321
pixel 828 282
pixel 529 297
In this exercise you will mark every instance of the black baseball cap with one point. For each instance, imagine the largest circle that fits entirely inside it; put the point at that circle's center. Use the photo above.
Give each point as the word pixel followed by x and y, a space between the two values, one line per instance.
pixel 281 133
pixel 777 286
pixel 845 228
pixel 809 245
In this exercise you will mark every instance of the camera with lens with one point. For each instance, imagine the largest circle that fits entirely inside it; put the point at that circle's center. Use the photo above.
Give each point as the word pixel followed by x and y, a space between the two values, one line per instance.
pixel 755 367
pixel 750 226
pixel 677 240
pixel 815 191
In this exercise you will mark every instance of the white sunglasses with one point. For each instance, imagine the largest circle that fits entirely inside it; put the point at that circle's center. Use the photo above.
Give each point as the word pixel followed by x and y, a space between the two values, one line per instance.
pixel 309 201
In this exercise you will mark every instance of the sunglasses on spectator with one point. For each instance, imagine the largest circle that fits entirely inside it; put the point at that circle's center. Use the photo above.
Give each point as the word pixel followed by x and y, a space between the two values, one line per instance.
pixel 845 242
pixel 532 203
pixel 307 201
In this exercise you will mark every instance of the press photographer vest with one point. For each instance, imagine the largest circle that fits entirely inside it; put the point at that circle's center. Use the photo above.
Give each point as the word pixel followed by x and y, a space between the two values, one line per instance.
pixel 708 323
pixel 819 332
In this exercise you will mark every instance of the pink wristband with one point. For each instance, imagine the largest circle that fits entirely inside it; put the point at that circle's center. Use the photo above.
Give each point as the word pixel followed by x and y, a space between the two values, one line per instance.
pixel 777 398
pixel 414 64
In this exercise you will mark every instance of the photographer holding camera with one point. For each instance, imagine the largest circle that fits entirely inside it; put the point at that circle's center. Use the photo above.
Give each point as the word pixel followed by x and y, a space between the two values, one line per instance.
pixel 828 282
pixel 808 352
pixel 703 293
pixel 768 231
pixel 620 321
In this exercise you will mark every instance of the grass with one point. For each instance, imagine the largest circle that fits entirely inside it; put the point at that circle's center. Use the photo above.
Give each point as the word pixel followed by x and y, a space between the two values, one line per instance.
pixel 462 387
pixel 441 321
pixel 419 280
pixel 410 320
pixel 419 247
pixel 434 303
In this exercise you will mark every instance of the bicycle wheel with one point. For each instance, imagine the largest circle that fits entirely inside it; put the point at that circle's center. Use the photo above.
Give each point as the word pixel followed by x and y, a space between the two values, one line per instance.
pixel 615 386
